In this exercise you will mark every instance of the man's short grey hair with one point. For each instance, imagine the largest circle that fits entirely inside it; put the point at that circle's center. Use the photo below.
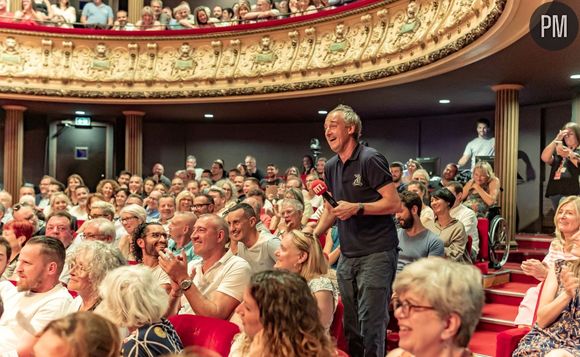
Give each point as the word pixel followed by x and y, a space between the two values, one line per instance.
pixel 99 259
pixel 136 211
pixel 104 226
pixel 351 118
pixel 294 203
pixel 219 223
pixel 219 190
pixel 132 297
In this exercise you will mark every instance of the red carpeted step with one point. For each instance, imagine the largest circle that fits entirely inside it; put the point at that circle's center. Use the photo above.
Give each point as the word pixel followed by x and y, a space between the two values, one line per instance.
pixel 537 241
pixel 499 314
pixel 510 293
pixel 521 254
pixel 483 342
pixel 520 277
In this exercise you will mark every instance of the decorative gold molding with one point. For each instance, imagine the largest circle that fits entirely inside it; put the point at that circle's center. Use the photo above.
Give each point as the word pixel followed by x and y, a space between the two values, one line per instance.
pixel 348 49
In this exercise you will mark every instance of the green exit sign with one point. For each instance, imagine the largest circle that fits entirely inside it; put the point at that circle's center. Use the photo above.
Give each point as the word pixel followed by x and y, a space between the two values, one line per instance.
pixel 82 121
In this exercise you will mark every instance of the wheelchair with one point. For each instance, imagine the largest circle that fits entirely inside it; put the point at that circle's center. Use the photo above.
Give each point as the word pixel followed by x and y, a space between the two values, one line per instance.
pixel 498 238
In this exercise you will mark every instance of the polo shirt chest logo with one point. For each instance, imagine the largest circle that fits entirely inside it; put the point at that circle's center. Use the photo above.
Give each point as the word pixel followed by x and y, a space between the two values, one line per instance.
pixel 357 180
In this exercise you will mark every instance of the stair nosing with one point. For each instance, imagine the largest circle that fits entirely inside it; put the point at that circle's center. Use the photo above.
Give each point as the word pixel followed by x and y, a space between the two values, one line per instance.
pixel 535 239
pixel 505 292
pixel 497 321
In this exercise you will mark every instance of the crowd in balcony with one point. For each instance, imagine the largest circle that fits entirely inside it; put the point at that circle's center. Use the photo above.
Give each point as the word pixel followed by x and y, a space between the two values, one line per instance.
pixel 155 16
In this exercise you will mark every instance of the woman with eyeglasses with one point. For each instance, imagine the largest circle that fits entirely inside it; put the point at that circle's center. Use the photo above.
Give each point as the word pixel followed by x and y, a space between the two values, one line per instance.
pixel 437 303
pixel 89 262
pixel 131 217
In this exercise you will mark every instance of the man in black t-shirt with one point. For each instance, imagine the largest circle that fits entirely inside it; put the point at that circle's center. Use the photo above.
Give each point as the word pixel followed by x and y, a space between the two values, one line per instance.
pixel 359 179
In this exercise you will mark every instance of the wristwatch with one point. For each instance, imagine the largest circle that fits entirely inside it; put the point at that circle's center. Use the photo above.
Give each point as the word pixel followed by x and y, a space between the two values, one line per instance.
pixel 361 209
pixel 185 284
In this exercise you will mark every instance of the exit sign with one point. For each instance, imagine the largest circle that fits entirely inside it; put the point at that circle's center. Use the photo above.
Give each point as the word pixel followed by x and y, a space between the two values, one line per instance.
pixel 82 121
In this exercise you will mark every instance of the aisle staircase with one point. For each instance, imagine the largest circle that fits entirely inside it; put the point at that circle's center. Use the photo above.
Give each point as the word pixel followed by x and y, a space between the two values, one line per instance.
pixel 504 290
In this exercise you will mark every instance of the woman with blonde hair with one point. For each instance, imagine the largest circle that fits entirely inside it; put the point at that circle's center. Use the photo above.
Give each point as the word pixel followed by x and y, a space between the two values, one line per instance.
pixel 555 333
pixel 184 201
pixel 231 192
pixel 437 303
pixel 280 318
pixel 148 22
pixel 301 253
pixel 82 334
pixel 482 190
pixel 133 299
pixel 567 223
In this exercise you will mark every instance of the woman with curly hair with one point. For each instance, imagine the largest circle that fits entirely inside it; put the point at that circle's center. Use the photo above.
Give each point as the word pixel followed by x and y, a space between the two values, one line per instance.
pixel 280 318
pixel 73 181
pixel 107 188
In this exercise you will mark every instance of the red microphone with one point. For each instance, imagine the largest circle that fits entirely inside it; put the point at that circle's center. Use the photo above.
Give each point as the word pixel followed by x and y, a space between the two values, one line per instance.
pixel 320 189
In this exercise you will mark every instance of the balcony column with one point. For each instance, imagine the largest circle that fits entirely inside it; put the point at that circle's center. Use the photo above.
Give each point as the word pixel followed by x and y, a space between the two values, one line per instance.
pixel 135 7
pixel 507 117
pixel 14 5
pixel 134 141
pixel 576 108
pixel 13 148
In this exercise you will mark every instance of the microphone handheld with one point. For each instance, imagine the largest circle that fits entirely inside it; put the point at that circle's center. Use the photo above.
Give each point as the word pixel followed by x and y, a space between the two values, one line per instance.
pixel 320 189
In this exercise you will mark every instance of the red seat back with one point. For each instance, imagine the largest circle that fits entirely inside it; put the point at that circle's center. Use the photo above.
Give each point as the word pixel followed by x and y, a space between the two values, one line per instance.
pixel 337 327
pixel 483 231
pixel 215 334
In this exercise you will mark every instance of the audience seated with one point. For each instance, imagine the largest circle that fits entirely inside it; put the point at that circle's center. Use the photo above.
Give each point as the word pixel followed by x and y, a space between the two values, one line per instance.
pixel 41 297
pixel 427 214
pixel 148 22
pixel 5 15
pixel 133 299
pixel 67 14
pixel 464 215
pixel 264 11
pixel 180 230
pixel 201 17
pixel 131 217
pixel 214 285
pixel 558 322
pixel 422 176
pixel 301 253
pixel 415 241
pixel 567 223
pixel 59 225
pixel 181 20
pixel 28 15
pixel 148 240
pixel 257 248
pixel 16 233
pixel 449 229
pixel 481 192
pixel 280 318
pixel 88 265
pixel 289 217
pixel 80 334
pixel 7 289
pixel 437 303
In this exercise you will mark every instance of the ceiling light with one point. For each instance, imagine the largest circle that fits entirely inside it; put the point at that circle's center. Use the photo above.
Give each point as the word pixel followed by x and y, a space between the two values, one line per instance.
pixel 575 76
pixel 322 112
pixel 444 101
pixel 80 112
pixel 209 116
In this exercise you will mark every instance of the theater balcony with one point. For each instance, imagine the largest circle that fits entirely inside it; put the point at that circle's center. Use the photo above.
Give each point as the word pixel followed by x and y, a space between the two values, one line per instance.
pixel 362 45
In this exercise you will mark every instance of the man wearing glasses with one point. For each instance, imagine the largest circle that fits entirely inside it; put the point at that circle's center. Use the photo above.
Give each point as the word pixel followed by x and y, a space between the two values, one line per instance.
pixel 58 226
pixel 150 239
pixel 203 204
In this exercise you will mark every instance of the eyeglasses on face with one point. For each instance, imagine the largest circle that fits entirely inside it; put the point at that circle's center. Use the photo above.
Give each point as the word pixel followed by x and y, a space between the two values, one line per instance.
pixel 200 205
pixel 407 307
pixel 157 235
pixel 127 219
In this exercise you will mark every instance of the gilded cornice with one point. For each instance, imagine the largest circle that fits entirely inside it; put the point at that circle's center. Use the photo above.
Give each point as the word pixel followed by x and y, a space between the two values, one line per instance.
pixel 344 51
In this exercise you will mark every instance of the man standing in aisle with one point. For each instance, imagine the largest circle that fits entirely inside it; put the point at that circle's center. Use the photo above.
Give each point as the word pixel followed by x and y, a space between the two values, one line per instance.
pixel 359 179
pixel 483 145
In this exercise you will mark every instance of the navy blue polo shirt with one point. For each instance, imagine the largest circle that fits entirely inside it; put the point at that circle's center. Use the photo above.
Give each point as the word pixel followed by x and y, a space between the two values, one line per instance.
pixel 358 180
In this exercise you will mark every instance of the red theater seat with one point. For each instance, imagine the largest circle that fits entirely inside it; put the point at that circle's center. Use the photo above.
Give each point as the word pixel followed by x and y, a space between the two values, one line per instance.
pixel 337 327
pixel 215 334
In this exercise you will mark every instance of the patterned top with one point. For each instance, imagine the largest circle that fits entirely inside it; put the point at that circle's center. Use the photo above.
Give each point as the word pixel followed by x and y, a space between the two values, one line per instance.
pixel 476 203
pixel 561 334
pixel 323 283
pixel 152 340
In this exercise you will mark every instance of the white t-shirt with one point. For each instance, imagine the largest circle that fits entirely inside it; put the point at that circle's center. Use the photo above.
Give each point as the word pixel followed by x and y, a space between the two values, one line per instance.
pixel 27 313
pixel 161 275
pixel 480 147
pixel 262 254
pixel 230 275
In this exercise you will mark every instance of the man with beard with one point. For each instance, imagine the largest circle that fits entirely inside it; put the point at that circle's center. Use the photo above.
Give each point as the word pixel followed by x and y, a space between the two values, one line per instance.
pixel 415 241
pixel 41 298
pixel 149 239
pixel 396 169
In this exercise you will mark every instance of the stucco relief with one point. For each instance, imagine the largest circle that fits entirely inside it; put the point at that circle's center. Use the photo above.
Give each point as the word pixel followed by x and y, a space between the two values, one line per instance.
pixel 347 49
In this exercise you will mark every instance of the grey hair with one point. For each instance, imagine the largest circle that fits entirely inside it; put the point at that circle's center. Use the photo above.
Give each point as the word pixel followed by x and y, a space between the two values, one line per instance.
pixel 351 118
pixel 136 211
pixel 100 258
pixel 294 203
pixel 107 208
pixel 105 227
pixel 132 297
pixel 449 287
